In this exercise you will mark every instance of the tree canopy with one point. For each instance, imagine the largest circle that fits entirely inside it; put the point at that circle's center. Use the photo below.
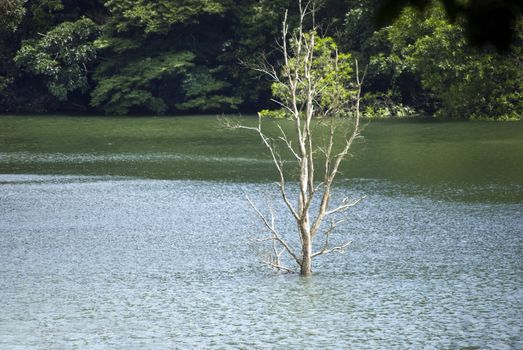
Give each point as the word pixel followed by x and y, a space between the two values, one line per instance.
pixel 188 56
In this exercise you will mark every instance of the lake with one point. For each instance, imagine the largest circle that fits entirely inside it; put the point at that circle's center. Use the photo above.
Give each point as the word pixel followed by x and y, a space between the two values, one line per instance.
pixel 134 233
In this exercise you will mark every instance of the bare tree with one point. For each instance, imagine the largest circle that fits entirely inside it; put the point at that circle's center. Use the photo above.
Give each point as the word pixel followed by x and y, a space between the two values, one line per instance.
pixel 312 89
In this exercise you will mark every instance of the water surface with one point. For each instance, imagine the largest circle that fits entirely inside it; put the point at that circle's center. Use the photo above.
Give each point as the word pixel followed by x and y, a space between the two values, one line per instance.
pixel 426 153
pixel 146 243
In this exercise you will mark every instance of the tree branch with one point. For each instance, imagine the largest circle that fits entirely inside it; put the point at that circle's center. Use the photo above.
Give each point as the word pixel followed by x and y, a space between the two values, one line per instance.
pixel 285 139
pixel 272 229
pixel 325 249
pixel 344 205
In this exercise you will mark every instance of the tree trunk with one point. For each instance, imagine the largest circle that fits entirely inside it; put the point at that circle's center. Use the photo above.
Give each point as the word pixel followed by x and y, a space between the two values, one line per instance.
pixel 306 256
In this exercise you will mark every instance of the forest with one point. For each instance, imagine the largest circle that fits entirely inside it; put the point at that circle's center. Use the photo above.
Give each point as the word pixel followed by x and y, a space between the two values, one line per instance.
pixel 179 57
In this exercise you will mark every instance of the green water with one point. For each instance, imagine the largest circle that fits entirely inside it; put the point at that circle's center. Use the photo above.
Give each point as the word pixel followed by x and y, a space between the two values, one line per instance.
pixel 153 258
pixel 464 155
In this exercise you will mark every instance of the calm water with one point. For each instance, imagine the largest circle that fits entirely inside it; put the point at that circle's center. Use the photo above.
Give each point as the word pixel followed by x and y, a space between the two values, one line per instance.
pixel 135 234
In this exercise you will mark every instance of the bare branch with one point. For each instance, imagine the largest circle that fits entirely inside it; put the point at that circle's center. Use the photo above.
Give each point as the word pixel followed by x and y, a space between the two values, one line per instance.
pixel 275 158
pixel 326 244
pixel 326 248
pixel 282 105
pixel 331 173
pixel 337 249
pixel 278 266
pixel 344 205
pixel 285 139
pixel 275 233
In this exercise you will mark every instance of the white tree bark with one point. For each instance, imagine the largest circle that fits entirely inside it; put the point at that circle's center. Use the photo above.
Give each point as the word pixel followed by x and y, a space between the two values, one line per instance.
pixel 303 108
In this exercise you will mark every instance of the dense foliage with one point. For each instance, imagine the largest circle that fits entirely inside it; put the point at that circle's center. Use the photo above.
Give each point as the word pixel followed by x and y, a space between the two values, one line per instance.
pixel 61 56
pixel 192 56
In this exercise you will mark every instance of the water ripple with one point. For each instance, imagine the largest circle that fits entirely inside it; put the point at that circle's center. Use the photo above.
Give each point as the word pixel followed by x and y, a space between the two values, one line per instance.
pixel 32 157
pixel 101 262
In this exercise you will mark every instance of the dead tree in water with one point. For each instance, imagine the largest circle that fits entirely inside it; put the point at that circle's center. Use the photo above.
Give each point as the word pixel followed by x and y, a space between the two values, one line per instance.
pixel 315 84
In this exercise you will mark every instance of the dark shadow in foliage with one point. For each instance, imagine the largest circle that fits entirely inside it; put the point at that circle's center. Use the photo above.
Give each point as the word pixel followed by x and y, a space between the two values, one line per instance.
pixel 487 22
